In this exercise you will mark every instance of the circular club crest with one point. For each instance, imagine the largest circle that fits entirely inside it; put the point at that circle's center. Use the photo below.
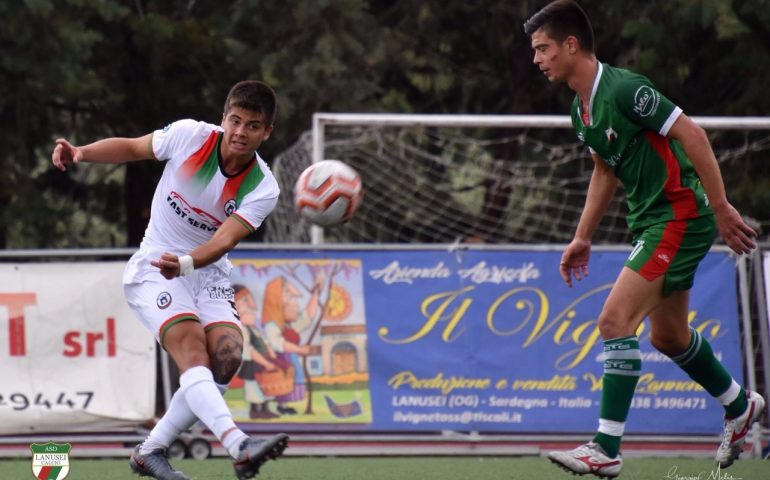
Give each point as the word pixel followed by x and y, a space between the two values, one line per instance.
pixel 163 300
pixel 230 207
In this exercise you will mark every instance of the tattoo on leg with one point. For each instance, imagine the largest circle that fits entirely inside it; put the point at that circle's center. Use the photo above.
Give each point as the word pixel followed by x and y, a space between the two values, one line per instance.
pixel 226 359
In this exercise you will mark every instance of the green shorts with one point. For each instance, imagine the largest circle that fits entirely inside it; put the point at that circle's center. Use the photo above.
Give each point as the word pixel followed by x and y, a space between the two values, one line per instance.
pixel 673 249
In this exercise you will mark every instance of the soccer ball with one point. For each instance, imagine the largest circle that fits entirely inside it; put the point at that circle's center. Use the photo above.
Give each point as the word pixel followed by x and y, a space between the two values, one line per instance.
pixel 328 193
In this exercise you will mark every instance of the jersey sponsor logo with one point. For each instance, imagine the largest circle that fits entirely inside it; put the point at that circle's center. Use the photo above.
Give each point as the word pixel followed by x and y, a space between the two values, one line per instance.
pixel 163 300
pixel 230 207
pixel 646 101
pixel 195 217
pixel 221 293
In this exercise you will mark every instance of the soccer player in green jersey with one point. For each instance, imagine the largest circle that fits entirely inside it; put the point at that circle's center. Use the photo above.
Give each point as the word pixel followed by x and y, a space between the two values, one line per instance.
pixel 677 204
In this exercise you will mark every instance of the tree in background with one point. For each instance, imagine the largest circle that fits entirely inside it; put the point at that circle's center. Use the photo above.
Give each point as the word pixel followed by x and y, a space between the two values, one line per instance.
pixel 87 69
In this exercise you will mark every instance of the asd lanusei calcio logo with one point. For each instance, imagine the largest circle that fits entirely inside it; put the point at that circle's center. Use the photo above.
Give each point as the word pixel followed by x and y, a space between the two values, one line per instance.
pixel 50 461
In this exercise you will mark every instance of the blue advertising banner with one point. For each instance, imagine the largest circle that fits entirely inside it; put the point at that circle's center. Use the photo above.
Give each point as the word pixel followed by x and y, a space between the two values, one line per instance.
pixel 491 341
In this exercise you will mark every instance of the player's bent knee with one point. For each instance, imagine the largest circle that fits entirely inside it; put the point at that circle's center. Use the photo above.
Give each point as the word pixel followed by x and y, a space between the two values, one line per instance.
pixel 616 322
pixel 224 369
pixel 225 364
pixel 609 326
pixel 225 357
pixel 669 345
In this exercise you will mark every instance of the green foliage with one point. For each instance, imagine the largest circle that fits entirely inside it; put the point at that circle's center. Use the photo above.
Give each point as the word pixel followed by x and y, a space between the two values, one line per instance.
pixel 86 69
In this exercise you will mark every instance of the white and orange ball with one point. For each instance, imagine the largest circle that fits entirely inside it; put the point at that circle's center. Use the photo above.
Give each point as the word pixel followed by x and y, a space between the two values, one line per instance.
pixel 328 193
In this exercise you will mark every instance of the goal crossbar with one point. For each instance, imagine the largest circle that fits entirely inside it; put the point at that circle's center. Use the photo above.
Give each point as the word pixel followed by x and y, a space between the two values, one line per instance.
pixel 322 119
pixel 509 121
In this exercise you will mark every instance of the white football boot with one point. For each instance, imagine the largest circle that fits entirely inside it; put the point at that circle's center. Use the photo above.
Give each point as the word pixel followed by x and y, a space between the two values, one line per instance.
pixel 737 428
pixel 589 458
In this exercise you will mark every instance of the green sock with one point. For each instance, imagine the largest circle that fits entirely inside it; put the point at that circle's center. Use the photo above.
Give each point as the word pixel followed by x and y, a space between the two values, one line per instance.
pixel 622 366
pixel 610 443
pixel 700 363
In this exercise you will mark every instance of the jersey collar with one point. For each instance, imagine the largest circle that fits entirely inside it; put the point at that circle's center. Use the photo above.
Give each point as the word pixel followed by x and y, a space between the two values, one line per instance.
pixel 598 78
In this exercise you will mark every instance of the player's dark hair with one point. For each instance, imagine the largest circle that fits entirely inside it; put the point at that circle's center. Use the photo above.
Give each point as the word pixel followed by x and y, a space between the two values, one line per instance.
pixel 255 96
pixel 559 20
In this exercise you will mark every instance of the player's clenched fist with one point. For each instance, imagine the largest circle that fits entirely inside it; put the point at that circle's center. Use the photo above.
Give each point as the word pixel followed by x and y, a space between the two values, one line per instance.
pixel 168 264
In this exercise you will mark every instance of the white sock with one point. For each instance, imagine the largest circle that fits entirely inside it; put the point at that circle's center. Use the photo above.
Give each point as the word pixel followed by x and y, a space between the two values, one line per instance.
pixel 731 394
pixel 177 419
pixel 206 402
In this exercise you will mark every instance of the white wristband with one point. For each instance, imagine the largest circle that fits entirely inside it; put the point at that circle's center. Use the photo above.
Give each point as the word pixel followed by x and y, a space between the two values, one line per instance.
pixel 185 265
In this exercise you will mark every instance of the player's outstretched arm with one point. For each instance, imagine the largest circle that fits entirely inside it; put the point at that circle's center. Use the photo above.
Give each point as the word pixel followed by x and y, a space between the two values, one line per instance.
pixel 734 231
pixel 225 239
pixel 109 150
pixel 601 189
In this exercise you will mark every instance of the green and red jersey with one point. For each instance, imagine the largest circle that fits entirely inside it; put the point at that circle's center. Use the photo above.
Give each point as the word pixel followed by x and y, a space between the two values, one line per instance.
pixel 194 196
pixel 626 125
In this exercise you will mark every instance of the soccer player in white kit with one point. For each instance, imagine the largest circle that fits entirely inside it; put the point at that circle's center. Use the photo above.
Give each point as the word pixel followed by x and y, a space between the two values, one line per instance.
pixel 215 190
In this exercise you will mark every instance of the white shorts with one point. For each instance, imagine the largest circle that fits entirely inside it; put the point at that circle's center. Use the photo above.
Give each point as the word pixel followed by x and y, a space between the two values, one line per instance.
pixel 205 296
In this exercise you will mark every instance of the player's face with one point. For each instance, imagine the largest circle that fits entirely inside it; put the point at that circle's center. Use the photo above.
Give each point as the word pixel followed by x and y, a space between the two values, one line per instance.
pixel 551 57
pixel 245 130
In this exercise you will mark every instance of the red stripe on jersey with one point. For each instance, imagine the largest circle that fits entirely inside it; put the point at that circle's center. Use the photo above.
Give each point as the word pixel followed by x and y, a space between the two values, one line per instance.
pixel 198 159
pixel 665 251
pixel 682 199
pixel 230 190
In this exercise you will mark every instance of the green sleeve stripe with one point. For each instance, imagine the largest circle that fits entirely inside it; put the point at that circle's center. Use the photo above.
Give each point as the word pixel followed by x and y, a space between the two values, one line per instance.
pixel 243 222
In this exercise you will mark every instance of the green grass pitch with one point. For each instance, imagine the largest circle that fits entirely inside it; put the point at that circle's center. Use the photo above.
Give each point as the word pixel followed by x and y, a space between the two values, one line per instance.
pixel 407 468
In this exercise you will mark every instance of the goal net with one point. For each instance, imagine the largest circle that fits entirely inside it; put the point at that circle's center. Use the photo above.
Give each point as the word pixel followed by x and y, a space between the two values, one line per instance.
pixel 490 179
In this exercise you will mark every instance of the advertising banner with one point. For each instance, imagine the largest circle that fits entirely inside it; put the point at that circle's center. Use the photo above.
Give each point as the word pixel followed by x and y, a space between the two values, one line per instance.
pixel 427 340
pixel 72 355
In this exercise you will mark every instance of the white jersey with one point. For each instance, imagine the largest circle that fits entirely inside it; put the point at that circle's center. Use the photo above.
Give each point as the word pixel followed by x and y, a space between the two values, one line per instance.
pixel 194 197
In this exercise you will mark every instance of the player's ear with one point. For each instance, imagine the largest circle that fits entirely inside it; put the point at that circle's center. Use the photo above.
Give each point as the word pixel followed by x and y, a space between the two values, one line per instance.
pixel 268 132
pixel 571 44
